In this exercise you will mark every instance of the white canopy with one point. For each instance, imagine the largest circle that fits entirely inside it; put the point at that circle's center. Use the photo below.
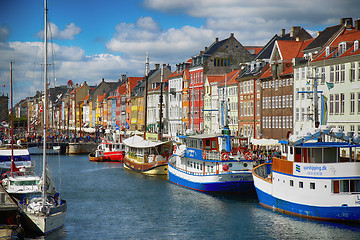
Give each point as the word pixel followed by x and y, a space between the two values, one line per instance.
pixel 138 142
pixel 265 142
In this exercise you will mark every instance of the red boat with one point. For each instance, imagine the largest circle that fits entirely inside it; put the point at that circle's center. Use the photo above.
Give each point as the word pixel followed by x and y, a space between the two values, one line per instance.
pixel 108 151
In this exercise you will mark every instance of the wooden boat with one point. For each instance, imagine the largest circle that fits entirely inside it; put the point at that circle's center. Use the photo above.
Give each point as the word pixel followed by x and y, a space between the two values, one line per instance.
pixel 147 157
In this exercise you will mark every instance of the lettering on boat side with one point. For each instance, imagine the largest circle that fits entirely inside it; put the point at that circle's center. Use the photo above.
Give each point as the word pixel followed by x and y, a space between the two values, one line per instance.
pixel 357 200
pixel 311 170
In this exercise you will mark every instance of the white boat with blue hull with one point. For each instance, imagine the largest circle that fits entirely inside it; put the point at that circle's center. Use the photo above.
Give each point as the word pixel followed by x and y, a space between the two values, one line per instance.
pixel 313 179
pixel 199 165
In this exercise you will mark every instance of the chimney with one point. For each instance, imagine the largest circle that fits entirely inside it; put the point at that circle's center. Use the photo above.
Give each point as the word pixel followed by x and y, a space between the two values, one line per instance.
pixel 157 66
pixel 357 23
pixel 231 34
pixel 205 49
pixel 318 33
pixel 282 32
pixel 102 80
pixel 216 40
pixel 347 22
pixel 294 31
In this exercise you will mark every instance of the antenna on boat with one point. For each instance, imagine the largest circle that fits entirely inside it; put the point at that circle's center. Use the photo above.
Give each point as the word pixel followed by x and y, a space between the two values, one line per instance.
pixel 161 102
pixel 146 90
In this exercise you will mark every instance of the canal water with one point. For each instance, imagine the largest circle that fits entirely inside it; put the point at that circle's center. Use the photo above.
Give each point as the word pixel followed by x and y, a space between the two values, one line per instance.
pixel 105 201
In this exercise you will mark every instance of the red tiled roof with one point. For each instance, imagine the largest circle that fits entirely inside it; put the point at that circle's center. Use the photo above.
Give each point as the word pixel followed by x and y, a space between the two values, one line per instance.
pixel 133 81
pixel 348 36
pixel 230 78
pixel 122 89
pixel 266 74
pixel 212 79
pixel 291 49
pixel 87 97
pixel 101 97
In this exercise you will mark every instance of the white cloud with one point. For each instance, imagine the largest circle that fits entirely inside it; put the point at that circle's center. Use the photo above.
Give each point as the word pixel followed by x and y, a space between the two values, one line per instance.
pixel 68 33
pixel 168 46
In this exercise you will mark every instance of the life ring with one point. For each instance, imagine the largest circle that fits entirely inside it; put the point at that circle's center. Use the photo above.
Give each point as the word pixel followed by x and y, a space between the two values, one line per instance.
pixel 225 156
pixel 174 148
pixel 248 156
pixel 204 155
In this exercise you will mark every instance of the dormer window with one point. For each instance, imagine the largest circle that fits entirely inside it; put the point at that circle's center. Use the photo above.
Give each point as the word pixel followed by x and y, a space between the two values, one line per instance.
pixel 327 51
pixel 342 47
pixel 356 45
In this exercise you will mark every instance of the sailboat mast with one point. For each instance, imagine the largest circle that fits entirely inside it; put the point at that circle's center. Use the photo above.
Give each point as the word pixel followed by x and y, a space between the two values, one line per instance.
pixel 161 102
pixel 146 90
pixel 45 106
pixel 12 120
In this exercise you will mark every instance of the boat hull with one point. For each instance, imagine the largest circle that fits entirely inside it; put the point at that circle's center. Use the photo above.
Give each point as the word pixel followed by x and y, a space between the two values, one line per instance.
pixel 81 148
pixel 154 168
pixel 311 212
pixel 41 224
pixel 275 197
pixel 240 182
pixel 114 156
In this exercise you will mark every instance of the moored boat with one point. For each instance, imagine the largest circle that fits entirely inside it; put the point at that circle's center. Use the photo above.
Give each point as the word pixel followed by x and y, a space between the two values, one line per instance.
pixel 147 157
pixel 108 151
pixel 21 157
pixel 314 178
pixel 209 163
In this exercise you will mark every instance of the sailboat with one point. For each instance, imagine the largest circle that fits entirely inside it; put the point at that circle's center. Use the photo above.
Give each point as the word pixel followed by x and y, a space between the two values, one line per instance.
pixel 146 156
pixel 20 182
pixel 46 213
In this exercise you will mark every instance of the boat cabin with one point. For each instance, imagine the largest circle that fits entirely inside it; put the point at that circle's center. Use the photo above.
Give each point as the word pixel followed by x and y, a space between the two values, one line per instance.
pixel 318 152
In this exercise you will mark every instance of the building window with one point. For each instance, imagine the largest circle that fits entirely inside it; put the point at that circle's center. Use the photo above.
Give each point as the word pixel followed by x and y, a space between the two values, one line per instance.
pixel 301 185
pixel 337 103
pixel 352 72
pixel 358 103
pixel 342 103
pixel 331 74
pixel 331 103
pixel 291 183
pixel 312 185
pixel 352 103
pixel 356 45
pixel 337 68
pixel 322 76
pixel 342 75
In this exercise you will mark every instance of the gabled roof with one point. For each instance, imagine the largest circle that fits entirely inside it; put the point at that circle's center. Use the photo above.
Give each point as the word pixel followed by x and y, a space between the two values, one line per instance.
pixel 323 37
pixel 213 79
pixel 348 36
pixel 133 81
pixel 230 78
pixel 101 97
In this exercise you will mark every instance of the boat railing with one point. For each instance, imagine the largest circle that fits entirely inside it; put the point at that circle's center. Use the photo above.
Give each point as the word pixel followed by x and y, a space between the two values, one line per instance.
pixel 204 173
pixel 211 155
pixel 264 171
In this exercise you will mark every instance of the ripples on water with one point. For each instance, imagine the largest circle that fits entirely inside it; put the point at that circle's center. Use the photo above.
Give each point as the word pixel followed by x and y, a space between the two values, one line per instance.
pixel 107 202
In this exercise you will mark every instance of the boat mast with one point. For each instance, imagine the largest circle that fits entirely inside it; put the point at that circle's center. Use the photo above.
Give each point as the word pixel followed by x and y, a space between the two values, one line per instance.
pixel 161 102
pixel 12 120
pixel 45 106
pixel 146 90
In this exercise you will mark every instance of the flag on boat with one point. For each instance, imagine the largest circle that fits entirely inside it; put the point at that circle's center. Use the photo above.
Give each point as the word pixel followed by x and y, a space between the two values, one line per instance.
pixel 324 110
pixel 127 125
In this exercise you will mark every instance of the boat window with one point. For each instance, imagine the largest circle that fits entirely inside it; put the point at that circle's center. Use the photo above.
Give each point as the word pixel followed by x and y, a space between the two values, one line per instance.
pixel 291 150
pixel 212 168
pixel 213 145
pixel 201 167
pixel 301 185
pixel 346 186
pixel 335 185
pixel 291 183
pixel 312 185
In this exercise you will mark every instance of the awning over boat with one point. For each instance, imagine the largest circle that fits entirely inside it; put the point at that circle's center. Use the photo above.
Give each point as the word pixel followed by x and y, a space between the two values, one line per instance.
pixel 265 142
pixel 139 142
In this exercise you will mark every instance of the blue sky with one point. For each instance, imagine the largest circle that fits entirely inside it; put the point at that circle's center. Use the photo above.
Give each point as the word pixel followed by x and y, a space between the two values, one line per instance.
pixel 94 39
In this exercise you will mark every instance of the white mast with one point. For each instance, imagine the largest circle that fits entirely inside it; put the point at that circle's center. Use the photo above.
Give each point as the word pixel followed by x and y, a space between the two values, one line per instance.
pixel 45 107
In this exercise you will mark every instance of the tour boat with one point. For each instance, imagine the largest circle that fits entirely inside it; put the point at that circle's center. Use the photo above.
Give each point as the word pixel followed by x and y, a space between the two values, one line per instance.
pixel 146 156
pixel 209 163
pixel 316 176
pixel 108 151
